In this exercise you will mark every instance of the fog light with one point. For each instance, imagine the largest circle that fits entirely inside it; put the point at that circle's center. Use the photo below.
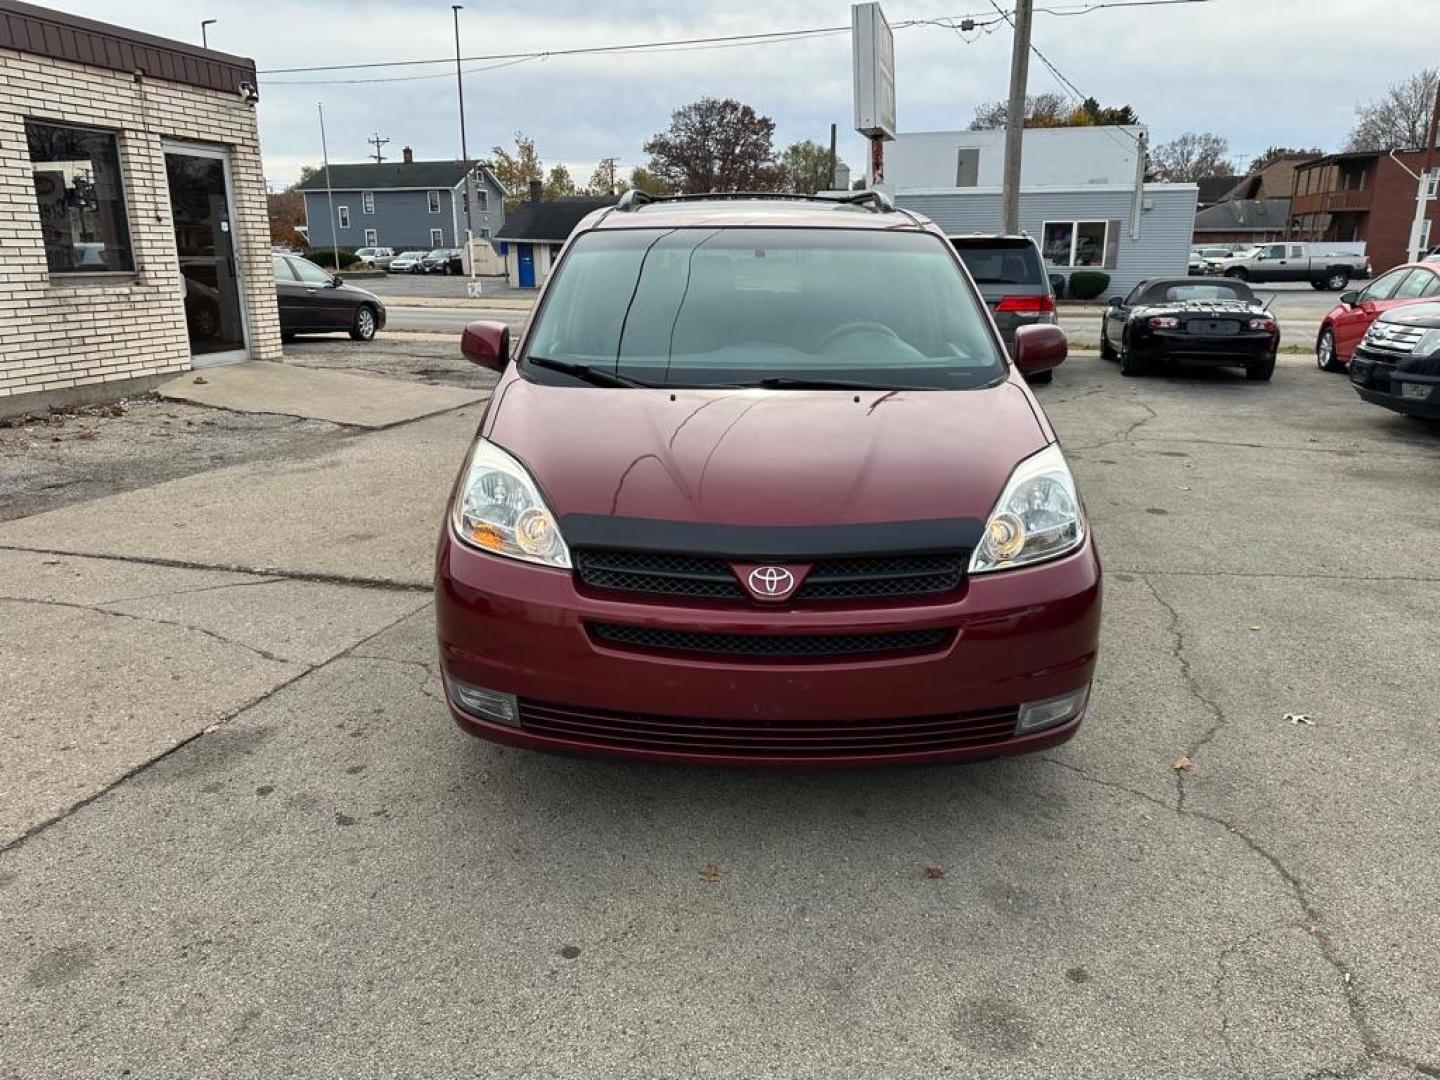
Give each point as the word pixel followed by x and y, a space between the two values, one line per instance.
pixel 1037 715
pixel 487 704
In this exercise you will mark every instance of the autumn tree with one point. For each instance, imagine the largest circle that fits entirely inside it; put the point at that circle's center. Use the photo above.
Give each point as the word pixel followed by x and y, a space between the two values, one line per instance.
pixel 558 183
pixel 806 165
pixel 606 179
pixel 287 210
pixel 1399 119
pixel 642 179
pixel 516 170
pixel 1190 158
pixel 716 145
pixel 1051 110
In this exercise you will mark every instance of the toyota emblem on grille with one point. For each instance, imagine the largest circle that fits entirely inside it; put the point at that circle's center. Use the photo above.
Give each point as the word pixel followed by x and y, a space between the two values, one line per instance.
pixel 772 582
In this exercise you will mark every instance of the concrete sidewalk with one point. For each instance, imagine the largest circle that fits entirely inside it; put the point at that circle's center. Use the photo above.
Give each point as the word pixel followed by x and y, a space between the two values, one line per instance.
pixel 341 398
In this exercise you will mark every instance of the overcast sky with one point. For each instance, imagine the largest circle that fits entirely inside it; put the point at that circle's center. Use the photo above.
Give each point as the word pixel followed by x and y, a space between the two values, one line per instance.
pixel 1258 72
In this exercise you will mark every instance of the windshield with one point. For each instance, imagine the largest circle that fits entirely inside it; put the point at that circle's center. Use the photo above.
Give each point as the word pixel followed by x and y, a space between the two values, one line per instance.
pixel 736 307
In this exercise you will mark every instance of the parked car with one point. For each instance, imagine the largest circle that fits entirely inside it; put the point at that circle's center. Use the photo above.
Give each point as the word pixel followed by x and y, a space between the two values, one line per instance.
pixel 1200 258
pixel 759 485
pixel 378 257
pixel 408 262
pixel 1293 262
pixel 1347 322
pixel 1011 278
pixel 1397 364
pixel 438 261
pixel 1179 320
pixel 314 301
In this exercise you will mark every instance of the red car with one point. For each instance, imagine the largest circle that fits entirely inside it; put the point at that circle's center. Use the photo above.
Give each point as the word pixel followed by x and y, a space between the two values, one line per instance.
pixel 1342 329
pixel 759 485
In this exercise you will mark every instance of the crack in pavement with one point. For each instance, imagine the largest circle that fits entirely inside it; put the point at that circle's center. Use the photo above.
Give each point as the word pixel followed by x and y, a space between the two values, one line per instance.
pixel 1310 912
pixel 1271 574
pixel 306 669
pixel 274 572
pixel 166 593
pixel 263 653
pixel 428 673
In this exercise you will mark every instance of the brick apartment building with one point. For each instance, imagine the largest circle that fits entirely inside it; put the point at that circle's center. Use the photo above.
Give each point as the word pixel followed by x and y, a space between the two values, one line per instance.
pixel 132 211
pixel 1367 196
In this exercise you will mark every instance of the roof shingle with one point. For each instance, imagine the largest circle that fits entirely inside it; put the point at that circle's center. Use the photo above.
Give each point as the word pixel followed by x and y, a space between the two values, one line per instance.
pixel 550 221
pixel 381 176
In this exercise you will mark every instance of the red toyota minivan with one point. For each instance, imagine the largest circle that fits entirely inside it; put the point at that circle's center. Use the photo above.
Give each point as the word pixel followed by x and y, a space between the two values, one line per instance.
pixel 759 485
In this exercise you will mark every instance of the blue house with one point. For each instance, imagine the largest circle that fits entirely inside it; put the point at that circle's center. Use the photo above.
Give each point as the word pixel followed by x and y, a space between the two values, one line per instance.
pixel 406 205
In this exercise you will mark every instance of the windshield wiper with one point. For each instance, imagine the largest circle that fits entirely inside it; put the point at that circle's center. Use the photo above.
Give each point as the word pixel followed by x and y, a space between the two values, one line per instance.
pixel 593 375
pixel 786 382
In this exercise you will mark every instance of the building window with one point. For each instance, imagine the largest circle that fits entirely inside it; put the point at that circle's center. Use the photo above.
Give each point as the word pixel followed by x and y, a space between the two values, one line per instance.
pixel 80 198
pixel 367 202
pixel 372 238
pixel 484 232
pixel 482 201
pixel 343 213
pixel 1432 183
pixel 432 199
pixel 1075 243
pixel 436 238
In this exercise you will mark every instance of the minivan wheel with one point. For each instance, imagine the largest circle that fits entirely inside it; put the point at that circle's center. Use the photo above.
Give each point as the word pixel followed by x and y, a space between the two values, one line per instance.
pixel 1325 351
pixel 364 328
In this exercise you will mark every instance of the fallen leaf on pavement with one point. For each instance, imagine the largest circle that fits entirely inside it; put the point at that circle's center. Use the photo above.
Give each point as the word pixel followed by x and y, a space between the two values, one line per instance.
pixel 1300 718
pixel 199 381
pixel 1182 764
pixel 934 873
pixel 1254 628
pixel 710 873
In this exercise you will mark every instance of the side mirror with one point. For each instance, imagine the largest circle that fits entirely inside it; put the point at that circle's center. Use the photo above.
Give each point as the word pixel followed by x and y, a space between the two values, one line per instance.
pixel 336 279
pixel 1040 348
pixel 1117 301
pixel 486 344
pixel 1350 299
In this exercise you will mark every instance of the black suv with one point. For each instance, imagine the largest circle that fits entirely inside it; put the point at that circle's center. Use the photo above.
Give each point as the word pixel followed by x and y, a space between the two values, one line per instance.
pixel 1397 365
pixel 1011 277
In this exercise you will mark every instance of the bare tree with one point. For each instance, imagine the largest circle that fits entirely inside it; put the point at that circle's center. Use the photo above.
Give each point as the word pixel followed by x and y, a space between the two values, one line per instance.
pixel 1042 110
pixel 1191 157
pixel 606 179
pixel 1282 153
pixel 715 145
pixel 1400 119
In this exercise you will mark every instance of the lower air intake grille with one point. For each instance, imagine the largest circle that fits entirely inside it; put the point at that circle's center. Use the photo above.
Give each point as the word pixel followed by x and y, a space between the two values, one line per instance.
pixel 606 729
pixel 778 646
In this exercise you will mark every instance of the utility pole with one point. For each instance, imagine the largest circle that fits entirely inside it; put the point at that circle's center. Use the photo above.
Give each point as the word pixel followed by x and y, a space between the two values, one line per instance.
pixel 1015 113
pixel 205 25
pixel 329 194
pixel 1137 201
pixel 1422 189
pixel 469 261
pixel 833 160
pixel 377 142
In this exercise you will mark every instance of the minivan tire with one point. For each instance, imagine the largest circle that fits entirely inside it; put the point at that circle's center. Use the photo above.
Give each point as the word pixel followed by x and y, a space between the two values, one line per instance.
pixel 1040 377
pixel 363 328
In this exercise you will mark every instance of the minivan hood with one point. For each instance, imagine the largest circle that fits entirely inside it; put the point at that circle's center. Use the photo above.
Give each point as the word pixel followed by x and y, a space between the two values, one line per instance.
pixel 767 457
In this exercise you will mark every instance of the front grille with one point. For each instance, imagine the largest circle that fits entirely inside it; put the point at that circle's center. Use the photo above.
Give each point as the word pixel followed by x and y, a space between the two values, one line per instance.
pixel 768 646
pixel 706 577
pixel 1393 337
pixel 605 729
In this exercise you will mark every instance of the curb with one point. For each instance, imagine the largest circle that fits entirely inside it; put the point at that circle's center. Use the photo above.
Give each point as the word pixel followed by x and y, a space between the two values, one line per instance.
pixel 508 302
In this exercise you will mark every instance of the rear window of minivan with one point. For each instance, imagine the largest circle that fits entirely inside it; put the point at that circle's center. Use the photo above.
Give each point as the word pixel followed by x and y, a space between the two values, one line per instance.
pixel 1001 262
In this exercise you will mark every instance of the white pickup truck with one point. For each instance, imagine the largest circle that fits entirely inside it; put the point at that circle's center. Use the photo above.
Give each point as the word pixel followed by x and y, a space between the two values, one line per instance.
pixel 1323 268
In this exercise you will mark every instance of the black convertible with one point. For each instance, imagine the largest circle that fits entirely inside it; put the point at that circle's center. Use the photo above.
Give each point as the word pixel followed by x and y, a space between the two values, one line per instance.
pixel 1214 323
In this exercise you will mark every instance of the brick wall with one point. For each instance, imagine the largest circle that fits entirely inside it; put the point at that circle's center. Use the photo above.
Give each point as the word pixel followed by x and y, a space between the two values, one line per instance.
pixel 63 333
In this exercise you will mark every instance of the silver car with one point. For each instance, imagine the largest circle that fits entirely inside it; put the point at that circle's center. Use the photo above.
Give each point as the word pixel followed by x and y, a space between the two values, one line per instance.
pixel 409 262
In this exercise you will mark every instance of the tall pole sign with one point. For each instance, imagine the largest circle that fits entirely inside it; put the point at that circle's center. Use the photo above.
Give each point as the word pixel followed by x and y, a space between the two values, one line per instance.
pixel 873 45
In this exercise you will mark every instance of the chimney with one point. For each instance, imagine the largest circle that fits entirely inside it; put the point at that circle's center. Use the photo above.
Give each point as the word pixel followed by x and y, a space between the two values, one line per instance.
pixel 409 156
pixel 536 188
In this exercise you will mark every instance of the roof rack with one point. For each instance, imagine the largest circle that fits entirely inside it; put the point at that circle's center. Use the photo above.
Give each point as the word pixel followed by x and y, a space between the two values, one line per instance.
pixel 878 201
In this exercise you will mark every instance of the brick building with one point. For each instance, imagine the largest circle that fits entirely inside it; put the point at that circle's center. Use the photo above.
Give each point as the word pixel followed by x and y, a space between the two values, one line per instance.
pixel 132 211
pixel 1366 195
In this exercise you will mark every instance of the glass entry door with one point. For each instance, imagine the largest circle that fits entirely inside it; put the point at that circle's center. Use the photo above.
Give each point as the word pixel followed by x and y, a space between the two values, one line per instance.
pixel 205 242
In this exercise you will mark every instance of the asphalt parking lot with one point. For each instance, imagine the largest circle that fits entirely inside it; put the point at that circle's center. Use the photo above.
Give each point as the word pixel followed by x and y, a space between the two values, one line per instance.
pixel 239 835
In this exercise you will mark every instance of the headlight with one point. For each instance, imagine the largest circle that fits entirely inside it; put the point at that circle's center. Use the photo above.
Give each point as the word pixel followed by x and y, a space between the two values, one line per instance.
pixel 1429 342
pixel 1038 516
pixel 499 509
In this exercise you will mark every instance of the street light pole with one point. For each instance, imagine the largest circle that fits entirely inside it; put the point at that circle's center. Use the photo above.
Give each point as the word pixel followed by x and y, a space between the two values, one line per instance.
pixel 204 36
pixel 1015 113
pixel 464 151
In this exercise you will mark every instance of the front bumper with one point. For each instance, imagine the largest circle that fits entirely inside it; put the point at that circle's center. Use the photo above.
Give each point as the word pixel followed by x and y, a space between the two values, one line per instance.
pixel 1410 386
pixel 1012 638
pixel 1230 350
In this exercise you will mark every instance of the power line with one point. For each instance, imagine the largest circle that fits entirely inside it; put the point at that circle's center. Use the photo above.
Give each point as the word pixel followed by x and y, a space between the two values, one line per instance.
pixel 720 40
